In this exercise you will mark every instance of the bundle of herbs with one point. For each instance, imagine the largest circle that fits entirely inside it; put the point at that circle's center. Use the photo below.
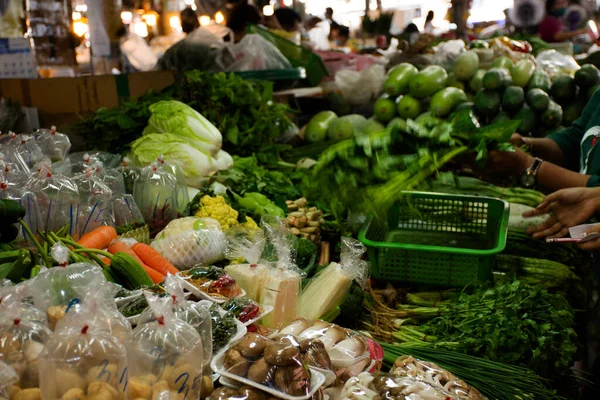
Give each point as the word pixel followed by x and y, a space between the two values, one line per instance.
pixel 512 323
pixel 368 173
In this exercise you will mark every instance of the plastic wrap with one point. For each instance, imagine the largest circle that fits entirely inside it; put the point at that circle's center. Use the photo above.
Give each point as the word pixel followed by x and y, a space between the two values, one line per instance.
pixel 189 241
pixel 165 357
pixel 155 192
pixel 246 392
pixel 129 221
pixel 19 298
pixel 82 360
pixel 211 283
pixel 328 289
pixel 361 87
pixel 182 196
pixel 246 310
pixel 53 144
pixel 111 177
pixel 12 165
pixel 29 150
pixel 97 302
pixel 54 289
pixel 247 246
pixel 253 53
pixel 14 191
pixel 95 202
pixel 190 312
pixel 8 381
pixel 556 64
pixel 57 200
pixel 281 285
pixel 21 342
pixel 130 174
pixel 275 367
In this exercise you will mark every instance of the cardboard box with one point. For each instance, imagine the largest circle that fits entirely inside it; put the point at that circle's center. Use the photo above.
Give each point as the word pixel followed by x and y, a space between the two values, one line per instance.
pixel 82 95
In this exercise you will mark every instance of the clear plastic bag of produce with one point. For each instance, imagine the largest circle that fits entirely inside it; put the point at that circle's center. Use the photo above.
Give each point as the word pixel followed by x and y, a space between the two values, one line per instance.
pixel 361 87
pixel 111 177
pixel 21 342
pixel 97 303
pixel 53 144
pixel 155 193
pixel 165 357
pixel 8 381
pixel 57 200
pixel 19 297
pixel 425 371
pixel 78 162
pixel 95 202
pixel 11 190
pixel 84 360
pixel 130 174
pixel 328 289
pixel 129 221
pixel 182 196
pixel 275 367
pixel 12 164
pixel 189 312
pixel 348 350
pixel 556 64
pixel 190 241
pixel 53 290
pixel 367 386
pixel 247 246
pixel 29 150
pixel 281 285
pixel 253 53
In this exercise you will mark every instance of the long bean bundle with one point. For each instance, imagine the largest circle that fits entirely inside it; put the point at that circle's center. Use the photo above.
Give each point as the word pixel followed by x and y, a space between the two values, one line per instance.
pixel 495 380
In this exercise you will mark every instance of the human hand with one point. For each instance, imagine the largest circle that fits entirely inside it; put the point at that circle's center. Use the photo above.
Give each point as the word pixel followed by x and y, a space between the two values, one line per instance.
pixel 568 208
pixel 508 162
pixel 592 244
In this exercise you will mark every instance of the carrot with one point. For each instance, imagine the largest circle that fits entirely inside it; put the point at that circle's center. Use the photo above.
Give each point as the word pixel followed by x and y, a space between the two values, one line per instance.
pixel 118 246
pixel 156 276
pixel 105 260
pixel 154 259
pixel 99 238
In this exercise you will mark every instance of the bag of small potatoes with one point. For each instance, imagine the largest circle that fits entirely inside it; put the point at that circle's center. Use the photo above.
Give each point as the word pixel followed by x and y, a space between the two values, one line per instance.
pixel 165 356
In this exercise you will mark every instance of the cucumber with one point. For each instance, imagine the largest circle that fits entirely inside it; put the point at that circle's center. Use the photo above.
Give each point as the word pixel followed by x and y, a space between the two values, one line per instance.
pixel 538 100
pixel 430 80
pixel 408 107
pixel 563 89
pixel 588 75
pixel 513 99
pixel 527 118
pixel 487 102
pixel 466 65
pixel 129 271
pixel 496 79
pixel 522 72
pixel 476 84
pixel 539 80
pixel 444 101
pixel 10 211
pixel 398 79
pixel 553 115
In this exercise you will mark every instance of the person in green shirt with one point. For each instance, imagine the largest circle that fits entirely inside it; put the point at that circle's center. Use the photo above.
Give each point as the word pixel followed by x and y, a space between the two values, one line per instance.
pixel 567 158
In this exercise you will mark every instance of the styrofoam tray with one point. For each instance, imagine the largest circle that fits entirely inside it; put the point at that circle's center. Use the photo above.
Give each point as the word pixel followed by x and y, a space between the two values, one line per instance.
pixel 330 376
pixel 317 379
pixel 241 328
pixel 266 310
pixel 203 295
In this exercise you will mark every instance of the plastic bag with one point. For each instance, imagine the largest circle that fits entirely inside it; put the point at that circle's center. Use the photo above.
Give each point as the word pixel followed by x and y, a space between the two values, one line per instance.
pixel 78 162
pixel 425 371
pixel 57 200
pixel 53 144
pixel 129 221
pixel 190 241
pixel 21 342
pixel 361 87
pixel 266 365
pixel 111 177
pixel 189 312
pixel 95 202
pixel 97 303
pixel 556 64
pixel 165 357
pixel 8 381
pixel 155 193
pixel 130 174
pixel 12 164
pixel 247 246
pixel 253 53
pixel 281 285
pixel 182 196
pixel 29 150
pixel 14 191
pixel 18 297
pixel 328 289
pixel 83 359
pixel 54 289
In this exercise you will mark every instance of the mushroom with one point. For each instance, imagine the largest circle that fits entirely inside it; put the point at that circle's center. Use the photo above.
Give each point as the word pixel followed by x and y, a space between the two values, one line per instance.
pixel 260 371
pixel 250 393
pixel 251 346
pixel 281 354
pixel 293 380
pixel 223 393
pixel 314 353
pixel 348 349
pixel 236 363
pixel 288 340
pixel 296 327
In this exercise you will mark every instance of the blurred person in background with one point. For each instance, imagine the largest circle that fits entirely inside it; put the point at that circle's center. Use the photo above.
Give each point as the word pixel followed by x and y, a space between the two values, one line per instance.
pixel 189 20
pixel 552 29
pixel 288 19
pixel 240 17
pixel 340 35
pixel 429 28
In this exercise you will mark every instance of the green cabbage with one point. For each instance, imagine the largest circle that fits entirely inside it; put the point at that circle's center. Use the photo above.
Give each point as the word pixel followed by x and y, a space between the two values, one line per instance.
pixel 186 123
pixel 195 164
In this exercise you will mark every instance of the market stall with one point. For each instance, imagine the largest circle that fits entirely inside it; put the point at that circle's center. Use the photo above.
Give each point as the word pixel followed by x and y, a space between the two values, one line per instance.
pixel 205 246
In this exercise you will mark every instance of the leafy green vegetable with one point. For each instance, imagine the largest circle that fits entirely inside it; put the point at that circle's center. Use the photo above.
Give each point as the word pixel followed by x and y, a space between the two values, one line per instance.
pixel 223 327
pixel 306 253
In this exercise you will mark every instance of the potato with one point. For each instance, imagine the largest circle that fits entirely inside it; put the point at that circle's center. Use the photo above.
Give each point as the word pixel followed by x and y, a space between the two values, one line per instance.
pixel 32 350
pixel 10 344
pixel 139 388
pixel 189 369
pixel 159 390
pixel 16 360
pixel 207 386
pixel 166 373
pixel 29 394
pixel 30 378
pixel 103 374
pixel 148 378
pixel 66 380
pixel 179 362
pixel 13 391
pixel 102 391
pixel 55 314
pixel 74 394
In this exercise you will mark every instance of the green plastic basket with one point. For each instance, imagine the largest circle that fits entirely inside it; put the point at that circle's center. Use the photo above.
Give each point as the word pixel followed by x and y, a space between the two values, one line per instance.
pixel 437 239
pixel 298 56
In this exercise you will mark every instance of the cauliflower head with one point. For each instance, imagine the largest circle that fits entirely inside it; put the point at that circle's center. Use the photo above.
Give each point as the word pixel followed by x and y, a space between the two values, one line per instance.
pixel 218 209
